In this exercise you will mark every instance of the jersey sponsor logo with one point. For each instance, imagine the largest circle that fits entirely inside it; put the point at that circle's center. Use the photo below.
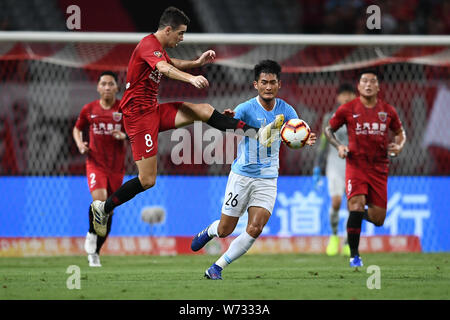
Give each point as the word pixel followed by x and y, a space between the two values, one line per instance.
pixel 155 75
pixel 105 128
pixel 158 54
pixel 117 116
pixel 382 116
pixel 93 116
pixel 374 128
pixel 356 115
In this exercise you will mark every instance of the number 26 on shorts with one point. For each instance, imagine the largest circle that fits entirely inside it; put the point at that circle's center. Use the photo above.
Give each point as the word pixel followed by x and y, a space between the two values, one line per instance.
pixel 232 200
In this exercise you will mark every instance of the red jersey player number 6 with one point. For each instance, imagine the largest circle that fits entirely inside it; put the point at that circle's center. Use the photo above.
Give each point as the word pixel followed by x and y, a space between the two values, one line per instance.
pixel 369 120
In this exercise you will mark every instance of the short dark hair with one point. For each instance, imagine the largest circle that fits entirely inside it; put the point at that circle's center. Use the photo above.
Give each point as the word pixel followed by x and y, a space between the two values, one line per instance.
pixel 108 73
pixel 345 87
pixel 371 70
pixel 173 17
pixel 267 66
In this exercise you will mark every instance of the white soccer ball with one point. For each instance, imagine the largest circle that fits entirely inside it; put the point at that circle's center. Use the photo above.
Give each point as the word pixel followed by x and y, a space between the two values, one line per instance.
pixel 294 133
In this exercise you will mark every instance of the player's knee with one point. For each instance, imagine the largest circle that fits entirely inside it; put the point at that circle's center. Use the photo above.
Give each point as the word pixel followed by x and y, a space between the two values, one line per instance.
pixel 378 221
pixel 336 204
pixel 147 181
pixel 356 206
pixel 203 111
pixel 254 230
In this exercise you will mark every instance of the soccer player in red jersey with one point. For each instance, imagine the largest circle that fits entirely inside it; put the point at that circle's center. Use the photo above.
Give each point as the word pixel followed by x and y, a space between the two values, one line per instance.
pixel 368 120
pixel 105 152
pixel 144 117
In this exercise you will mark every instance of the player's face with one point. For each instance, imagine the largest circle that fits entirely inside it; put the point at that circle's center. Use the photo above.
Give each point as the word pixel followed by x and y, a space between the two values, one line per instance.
pixel 267 86
pixel 368 86
pixel 175 36
pixel 107 87
pixel 344 97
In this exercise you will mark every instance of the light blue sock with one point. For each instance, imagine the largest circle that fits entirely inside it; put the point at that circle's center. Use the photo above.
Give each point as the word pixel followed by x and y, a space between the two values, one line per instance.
pixel 238 247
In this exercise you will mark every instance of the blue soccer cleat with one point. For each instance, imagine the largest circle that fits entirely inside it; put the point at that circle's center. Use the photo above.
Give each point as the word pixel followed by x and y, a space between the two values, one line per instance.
pixel 200 240
pixel 214 272
pixel 356 261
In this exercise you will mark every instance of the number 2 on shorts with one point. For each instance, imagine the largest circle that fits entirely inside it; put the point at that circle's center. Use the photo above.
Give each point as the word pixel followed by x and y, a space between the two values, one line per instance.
pixel 93 182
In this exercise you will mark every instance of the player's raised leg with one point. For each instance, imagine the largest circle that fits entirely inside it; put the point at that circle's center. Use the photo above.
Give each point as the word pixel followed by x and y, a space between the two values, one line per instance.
pixel 190 112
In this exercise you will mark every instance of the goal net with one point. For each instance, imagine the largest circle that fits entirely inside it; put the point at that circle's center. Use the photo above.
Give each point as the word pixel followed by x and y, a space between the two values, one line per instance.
pixel 46 78
pixel 45 83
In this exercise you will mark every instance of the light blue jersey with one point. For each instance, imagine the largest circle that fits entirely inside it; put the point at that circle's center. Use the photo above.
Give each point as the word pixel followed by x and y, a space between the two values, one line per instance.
pixel 253 159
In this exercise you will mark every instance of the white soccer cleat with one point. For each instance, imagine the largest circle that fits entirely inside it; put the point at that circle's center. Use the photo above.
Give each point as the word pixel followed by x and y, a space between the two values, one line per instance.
pixel 94 260
pixel 270 132
pixel 90 244
pixel 100 220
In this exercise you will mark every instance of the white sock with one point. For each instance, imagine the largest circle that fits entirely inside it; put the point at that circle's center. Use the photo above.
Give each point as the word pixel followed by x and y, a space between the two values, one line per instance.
pixel 212 230
pixel 238 247
pixel 334 220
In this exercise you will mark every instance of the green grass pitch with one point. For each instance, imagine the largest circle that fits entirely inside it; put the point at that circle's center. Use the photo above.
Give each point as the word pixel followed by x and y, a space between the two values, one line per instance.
pixel 403 276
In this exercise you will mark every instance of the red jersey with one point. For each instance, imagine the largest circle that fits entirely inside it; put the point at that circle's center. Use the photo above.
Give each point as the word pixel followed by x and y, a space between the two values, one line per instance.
pixel 367 128
pixel 143 77
pixel 105 152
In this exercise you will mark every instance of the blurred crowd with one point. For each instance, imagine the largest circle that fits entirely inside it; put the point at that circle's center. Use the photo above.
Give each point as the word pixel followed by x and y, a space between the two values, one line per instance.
pixel 312 16
pixel 397 16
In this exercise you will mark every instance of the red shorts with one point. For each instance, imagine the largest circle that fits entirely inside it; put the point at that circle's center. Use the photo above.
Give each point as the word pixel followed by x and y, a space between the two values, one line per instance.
pixel 98 178
pixel 368 180
pixel 143 127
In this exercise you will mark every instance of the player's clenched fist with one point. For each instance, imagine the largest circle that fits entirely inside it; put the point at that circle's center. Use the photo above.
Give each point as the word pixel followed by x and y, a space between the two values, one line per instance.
pixel 199 82
pixel 83 147
pixel 342 151
pixel 119 135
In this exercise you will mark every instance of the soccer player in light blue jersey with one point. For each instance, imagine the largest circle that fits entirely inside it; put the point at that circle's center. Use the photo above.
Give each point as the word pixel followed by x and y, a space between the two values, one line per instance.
pixel 252 182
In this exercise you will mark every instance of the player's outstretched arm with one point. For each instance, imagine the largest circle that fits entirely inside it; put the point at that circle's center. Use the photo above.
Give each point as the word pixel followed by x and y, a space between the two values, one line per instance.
pixel 173 72
pixel 205 58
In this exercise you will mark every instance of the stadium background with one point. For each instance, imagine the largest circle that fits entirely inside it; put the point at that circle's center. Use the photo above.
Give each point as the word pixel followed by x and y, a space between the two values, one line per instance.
pixel 44 85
